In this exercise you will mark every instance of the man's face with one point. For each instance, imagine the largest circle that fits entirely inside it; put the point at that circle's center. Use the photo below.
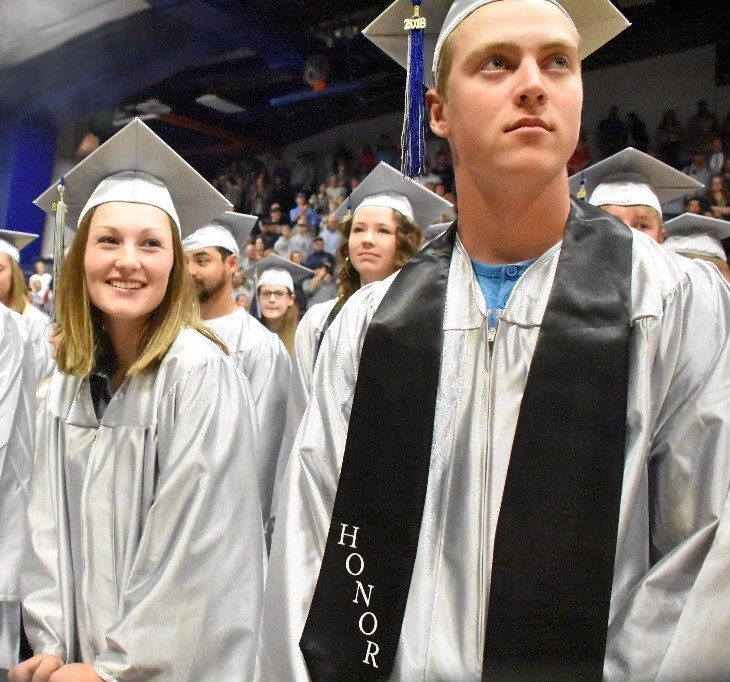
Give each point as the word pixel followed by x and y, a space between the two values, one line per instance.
pixel 303 227
pixel 211 274
pixel 275 213
pixel 514 91
pixel 641 218
pixel 318 245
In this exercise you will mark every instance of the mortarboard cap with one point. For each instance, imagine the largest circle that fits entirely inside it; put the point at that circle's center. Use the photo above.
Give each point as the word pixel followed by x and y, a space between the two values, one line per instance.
pixel 295 272
pixel 597 22
pixel 12 242
pixel 229 230
pixel 632 178
pixel 136 166
pixel 690 233
pixel 385 186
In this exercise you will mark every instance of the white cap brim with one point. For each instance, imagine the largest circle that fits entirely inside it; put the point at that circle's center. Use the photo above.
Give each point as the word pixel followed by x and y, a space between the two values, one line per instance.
pixel 13 242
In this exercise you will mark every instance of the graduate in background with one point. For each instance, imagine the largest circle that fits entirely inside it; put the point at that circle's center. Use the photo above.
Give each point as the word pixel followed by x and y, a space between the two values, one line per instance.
pixel 12 294
pixel 17 439
pixel 274 278
pixel 213 252
pixel 148 441
pixel 633 186
pixel 543 498
pixel 698 236
pixel 380 226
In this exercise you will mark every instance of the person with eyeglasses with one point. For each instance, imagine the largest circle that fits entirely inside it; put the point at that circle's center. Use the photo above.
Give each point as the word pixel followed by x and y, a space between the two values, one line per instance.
pixel 276 304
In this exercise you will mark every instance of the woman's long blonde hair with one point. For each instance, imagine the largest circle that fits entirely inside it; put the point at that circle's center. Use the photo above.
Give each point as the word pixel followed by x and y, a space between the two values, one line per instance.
pixel 17 286
pixel 408 240
pixel 82 336
pixel 288 326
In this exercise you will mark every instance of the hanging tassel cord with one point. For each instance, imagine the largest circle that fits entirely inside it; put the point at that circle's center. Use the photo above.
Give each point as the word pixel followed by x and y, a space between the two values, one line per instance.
pixel 413 140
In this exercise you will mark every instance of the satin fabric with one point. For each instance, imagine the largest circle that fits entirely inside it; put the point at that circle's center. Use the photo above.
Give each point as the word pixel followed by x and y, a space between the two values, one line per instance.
pixel 264 361
pixel 17 438
pixel 306 344
pixel 147 544
pixel 39 328
pixel 668 617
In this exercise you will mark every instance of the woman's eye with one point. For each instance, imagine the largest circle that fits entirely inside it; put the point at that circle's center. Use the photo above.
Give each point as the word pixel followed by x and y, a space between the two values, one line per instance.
pixel 152 243
pixel 107 240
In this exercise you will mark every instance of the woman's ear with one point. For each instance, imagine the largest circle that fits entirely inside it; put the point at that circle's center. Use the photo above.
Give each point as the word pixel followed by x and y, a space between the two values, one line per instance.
pixel 436 114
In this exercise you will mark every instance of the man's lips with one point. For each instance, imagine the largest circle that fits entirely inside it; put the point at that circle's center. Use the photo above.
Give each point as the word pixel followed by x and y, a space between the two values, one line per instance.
pixel 531 122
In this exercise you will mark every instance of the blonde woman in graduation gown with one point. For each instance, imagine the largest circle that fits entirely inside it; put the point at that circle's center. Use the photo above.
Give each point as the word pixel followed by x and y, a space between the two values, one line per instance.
pixel 146 557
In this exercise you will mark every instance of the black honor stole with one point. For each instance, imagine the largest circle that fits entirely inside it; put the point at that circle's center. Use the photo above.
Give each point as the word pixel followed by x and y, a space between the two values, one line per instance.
pixel 556 535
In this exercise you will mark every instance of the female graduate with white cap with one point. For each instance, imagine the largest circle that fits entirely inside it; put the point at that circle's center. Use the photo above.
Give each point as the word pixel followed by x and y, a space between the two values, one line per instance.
pixel 381 231
pixel 276 304
pixel 12 295
pixel 147 445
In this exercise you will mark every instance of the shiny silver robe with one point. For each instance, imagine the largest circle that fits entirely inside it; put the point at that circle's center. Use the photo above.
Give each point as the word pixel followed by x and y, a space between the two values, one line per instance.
pixel 670 606
pixel 264 361
pixel 17 439
pixel 306 343
pixel 39 328
pixel 147 545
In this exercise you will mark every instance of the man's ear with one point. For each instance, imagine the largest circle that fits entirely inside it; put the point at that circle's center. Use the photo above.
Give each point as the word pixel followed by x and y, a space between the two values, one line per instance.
pixel 436 103
pixel 232 263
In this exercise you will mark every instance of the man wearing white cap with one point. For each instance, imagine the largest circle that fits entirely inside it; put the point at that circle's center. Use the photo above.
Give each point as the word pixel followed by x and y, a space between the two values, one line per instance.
pixel 698 236
pixel 213 252
pixel 633 186
pixel 540 499
pixel 17 438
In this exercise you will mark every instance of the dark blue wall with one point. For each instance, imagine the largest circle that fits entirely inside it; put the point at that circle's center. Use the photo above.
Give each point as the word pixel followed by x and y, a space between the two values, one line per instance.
pixel 27 151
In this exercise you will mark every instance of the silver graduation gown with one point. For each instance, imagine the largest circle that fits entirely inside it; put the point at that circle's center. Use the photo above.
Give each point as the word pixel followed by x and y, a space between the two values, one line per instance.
pixel 264 361
pixel 39 328
pixel 147 545
pixel 670 604
pixel 17 439
pixel 306 342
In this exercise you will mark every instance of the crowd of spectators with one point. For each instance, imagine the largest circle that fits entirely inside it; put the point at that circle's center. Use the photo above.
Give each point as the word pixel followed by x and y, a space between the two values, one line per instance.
pixel 297 204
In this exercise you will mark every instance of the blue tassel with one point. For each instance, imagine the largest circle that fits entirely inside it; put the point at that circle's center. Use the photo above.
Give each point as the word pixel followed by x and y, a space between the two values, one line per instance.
pixel 413 139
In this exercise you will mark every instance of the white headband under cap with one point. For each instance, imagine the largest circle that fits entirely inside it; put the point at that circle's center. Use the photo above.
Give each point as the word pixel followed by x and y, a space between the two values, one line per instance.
pixel 7 247
pixel 133 187
pixel 210 236
pixel 460 11
pixel 625 193
pixel 700 244
pixel 277 277
pixel 389 200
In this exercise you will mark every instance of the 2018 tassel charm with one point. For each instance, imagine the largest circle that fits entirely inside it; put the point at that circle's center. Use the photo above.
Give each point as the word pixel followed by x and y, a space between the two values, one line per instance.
pixel 581 193
pixel 413 140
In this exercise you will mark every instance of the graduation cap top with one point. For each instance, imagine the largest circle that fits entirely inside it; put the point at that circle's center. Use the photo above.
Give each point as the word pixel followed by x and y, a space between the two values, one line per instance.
pixel 12 242
pixel 597 22
pixel 697 234
pixel 277 270
pixel 136 166
pixel 229 230
pixel 435 230
pixel 385 186
pixel 633 178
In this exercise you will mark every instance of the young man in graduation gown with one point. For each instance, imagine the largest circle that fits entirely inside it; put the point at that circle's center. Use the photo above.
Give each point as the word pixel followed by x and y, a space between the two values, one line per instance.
pixel 17 438
pixel 536 494
pixel 213 252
